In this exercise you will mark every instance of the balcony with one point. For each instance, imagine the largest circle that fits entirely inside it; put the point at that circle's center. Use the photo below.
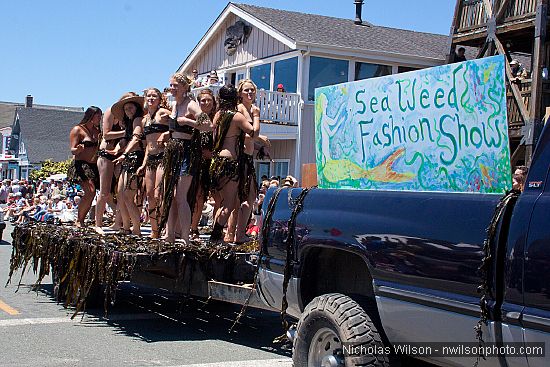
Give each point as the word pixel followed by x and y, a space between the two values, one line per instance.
pixel 278 108
pixel 472 17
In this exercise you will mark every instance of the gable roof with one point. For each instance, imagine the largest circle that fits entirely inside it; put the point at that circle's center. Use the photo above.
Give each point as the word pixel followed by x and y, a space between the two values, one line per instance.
pixel 45 132
pixel 7 111
pixel 299 30
pixel 319 30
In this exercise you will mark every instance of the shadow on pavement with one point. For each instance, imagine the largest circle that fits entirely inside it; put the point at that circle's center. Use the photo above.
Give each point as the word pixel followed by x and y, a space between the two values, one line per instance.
pixel 163 316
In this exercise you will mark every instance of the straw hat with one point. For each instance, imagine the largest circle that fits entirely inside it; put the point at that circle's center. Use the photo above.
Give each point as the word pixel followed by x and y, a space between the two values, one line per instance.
pixel 118 108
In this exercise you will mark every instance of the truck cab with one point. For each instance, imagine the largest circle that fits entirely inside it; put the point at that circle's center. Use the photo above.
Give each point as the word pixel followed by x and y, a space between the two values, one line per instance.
pixel 410 261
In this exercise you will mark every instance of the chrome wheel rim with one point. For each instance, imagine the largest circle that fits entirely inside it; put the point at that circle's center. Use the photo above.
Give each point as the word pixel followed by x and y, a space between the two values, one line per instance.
pixel 324 349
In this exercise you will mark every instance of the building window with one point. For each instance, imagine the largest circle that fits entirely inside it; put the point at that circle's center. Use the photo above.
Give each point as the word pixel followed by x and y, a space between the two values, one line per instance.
pixel 404 69
pixel 323 71
pixel 260 75
pixel 365 70
pixel 278 168
pixel 286 73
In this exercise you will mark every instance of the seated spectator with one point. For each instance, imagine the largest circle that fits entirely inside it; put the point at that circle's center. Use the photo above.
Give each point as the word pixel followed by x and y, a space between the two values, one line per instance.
pixel 26 213
pixel 290 181
pixel 252 230
pixel 280 88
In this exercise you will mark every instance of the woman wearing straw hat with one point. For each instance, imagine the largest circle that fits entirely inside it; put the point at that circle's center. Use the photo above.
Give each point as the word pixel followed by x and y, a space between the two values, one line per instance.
pixel 186 116
pixel 113 132
pixel 153 127
pixel 83 169
pixel 130 111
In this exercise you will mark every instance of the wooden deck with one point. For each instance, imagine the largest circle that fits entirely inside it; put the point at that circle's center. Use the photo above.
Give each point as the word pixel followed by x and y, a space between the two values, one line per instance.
pixel 473 19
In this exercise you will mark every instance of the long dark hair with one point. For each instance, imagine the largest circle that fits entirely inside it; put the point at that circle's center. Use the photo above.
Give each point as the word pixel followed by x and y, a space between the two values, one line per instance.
pixel 129 124
pixel 229 98
pixel 89 114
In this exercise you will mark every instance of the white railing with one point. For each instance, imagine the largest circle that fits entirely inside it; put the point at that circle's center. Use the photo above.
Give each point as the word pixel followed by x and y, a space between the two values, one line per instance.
pixel 278 107
pixel 275 107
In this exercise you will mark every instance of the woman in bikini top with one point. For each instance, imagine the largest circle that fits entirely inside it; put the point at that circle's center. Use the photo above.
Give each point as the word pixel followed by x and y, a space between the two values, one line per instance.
pixel 155 123
pixel 84 143
pixel 187 116
pixel 113 141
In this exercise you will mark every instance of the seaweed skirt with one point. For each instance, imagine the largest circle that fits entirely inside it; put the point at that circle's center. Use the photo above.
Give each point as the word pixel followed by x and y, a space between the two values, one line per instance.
pixel 130 165
pixel 80 171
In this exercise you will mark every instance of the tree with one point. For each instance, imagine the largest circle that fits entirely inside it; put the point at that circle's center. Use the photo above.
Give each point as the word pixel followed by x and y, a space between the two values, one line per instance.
pixel 50 168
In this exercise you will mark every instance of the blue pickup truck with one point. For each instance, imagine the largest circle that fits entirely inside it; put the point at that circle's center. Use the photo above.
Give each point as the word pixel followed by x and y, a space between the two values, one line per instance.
pixel 385 268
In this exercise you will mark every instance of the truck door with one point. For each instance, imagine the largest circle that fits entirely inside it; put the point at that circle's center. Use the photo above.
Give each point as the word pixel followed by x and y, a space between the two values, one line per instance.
pixel 536 283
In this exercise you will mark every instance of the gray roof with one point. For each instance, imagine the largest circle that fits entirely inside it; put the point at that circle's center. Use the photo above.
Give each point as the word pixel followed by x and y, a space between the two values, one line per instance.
pixel 7 111
pixel 45 132
pixel 330 31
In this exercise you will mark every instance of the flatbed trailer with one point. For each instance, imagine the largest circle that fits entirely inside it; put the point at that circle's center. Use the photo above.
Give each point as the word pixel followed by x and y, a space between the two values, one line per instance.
pixel 86 267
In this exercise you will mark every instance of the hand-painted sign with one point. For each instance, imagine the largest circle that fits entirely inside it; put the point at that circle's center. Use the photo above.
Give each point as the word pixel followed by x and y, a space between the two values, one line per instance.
pixel 437 129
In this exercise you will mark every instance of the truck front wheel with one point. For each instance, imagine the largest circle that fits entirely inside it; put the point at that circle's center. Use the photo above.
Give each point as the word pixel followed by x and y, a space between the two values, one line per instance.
pixel 335 331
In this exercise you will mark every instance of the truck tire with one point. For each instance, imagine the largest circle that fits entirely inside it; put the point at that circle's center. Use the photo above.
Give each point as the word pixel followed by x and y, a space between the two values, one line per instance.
pixel 327 322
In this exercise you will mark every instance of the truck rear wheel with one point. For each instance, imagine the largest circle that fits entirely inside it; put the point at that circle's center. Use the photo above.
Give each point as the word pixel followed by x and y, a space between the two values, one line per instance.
pixel 335 331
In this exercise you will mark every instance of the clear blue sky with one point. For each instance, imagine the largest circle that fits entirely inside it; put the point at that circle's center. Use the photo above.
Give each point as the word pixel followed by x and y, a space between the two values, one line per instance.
pixel 81 53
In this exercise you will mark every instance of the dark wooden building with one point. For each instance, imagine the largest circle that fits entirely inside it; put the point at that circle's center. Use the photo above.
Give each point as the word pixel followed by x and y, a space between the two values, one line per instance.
pixel 517 29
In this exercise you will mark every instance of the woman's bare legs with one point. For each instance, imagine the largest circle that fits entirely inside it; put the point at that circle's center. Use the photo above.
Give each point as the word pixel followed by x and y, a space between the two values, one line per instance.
pixel 227 202
pixel 197 212
pixel 232 224
pixel 244 215
pixel 106 169
pixel 134 211
pixel 153 178
pixel 181 219
pixel 121 203
pixel 86 201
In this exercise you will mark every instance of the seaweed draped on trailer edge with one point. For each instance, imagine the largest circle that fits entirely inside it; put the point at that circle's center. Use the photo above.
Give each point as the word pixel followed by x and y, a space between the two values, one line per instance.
pixel 82 261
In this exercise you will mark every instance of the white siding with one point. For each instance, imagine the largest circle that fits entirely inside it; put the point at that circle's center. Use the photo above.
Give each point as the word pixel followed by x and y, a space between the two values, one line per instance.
pixel 284 149
pixel 258 46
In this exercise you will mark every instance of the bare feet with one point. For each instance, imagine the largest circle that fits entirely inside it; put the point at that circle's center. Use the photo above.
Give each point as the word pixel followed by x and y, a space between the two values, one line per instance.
pixel 99 230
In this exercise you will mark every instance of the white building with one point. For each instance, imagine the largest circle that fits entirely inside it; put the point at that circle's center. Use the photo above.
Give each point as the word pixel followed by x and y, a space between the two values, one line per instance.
pixel 302 52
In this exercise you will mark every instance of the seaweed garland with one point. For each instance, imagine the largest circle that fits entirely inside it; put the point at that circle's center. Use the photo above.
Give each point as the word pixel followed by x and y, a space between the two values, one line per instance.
pixel 82 261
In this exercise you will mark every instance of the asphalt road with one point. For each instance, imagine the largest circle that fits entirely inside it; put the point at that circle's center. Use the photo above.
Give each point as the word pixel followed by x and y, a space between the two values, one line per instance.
pixel 143 328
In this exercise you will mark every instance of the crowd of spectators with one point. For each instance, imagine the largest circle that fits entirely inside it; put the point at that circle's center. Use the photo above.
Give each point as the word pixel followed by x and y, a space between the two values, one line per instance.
pixel 46 200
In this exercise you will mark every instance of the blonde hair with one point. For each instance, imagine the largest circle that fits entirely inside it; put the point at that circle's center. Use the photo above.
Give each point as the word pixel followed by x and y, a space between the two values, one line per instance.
pixel 163 102
pixel 241 84
pixel 182 78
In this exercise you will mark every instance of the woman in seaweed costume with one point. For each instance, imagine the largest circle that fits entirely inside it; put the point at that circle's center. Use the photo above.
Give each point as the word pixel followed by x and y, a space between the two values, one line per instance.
pixel 155 123
pixel 248 188
pixel 130 110
pixel 201 184
pixel 225 173
pixel 113 139
pixel 186 117
pixel 84 140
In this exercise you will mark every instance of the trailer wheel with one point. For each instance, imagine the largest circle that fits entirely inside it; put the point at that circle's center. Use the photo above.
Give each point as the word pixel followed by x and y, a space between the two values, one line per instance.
pixel 329 323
